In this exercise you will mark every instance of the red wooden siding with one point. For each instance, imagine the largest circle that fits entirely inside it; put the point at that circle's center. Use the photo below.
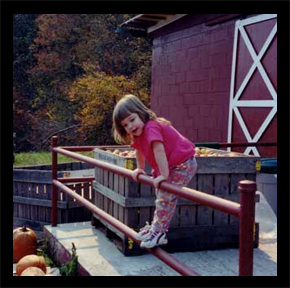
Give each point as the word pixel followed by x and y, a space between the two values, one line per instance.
pixel 191 78
pixel 191 72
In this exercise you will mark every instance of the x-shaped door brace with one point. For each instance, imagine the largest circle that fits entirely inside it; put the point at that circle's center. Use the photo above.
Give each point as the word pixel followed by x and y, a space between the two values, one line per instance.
pixel 234 98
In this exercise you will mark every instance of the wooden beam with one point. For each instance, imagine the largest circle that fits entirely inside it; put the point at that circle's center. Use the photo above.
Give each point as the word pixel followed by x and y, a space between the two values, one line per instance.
pixel 222 18
pixel 148 19
pixel 165 22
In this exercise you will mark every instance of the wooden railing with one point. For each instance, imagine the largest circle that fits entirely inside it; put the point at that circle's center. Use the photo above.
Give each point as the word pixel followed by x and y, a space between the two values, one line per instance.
pixel 245 210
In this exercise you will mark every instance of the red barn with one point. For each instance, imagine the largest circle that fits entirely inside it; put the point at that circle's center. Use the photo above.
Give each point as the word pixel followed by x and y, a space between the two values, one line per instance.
pixel 214 76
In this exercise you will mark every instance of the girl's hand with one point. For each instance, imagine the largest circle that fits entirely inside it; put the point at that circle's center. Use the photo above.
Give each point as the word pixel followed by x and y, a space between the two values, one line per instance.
pixel 157 181
pixel 136 172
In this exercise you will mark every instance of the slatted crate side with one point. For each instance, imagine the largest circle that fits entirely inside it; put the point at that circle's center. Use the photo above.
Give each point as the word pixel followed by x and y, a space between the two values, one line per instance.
pixel 48 193
pixel 96 195
pixel 107 201
pixel 64 217
pixel 221 189
pixel 187 213
pixel 23 209
pixel 16 192
pixel 101 197
pixel 132 213
pixel 116 190
pixel 226 172
pixel 15 205
pixel 204 213
pixel 121 185
pixel 87 194
pixel 145 213
pixel 32 197
pixel 78 209
pixel 121 191
pixel 71 213
pixel 238 165
pixel 26 194
pixel 82 212
pixel 115 184
pixel 112 195
pixel 33 194
pixel 30 182
pixel 42 211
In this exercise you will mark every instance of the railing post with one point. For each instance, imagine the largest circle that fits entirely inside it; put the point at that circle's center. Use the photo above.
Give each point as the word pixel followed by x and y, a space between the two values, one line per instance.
pixel 54 177
pixel 247 221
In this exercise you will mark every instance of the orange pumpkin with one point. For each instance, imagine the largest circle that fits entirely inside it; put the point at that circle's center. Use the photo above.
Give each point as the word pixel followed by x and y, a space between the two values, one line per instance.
pixel 30 261
pixel 32 271
pixel 24 243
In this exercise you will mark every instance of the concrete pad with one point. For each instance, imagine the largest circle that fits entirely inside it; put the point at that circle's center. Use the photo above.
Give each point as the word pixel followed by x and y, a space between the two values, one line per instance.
pixel 100 257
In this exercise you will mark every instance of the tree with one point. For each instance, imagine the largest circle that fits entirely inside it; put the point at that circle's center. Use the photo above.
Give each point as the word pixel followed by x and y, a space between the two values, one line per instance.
pixel 96 94
pixel 24 31
pixel 62 48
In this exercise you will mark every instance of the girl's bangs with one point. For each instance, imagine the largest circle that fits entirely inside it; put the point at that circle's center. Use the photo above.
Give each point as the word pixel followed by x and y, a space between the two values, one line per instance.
pixel 122 113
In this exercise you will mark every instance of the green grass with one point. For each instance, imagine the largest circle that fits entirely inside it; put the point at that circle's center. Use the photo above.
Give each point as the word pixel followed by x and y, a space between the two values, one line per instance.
pixel 42 158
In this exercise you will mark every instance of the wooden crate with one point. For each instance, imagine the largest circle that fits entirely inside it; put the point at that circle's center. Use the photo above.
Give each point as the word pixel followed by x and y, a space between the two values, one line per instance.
pixel 121 161
pixel 32 195
pixel 194 227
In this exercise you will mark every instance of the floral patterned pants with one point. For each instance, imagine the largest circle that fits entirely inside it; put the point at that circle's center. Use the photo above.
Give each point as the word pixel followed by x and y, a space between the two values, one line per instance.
pixel 166 202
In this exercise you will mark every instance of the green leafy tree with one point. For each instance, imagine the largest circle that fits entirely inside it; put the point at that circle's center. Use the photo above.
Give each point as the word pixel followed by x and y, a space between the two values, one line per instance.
pixel 96 94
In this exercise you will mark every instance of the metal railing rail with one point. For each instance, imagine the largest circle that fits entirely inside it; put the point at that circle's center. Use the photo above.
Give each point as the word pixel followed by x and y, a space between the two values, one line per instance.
pixel 245 210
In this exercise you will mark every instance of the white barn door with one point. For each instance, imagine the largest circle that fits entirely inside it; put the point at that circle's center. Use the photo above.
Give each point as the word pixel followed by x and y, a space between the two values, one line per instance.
pixel 253 92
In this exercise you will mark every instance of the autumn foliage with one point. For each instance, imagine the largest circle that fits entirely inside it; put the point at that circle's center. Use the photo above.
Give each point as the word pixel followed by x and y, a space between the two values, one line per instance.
pixel 96 95
pixel 68 72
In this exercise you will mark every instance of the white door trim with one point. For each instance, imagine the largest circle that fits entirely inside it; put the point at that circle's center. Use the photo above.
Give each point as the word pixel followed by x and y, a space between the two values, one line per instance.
pixel 234 98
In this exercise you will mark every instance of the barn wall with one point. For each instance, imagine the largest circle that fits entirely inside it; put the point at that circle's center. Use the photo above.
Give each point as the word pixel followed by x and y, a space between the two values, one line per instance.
pixel 191 72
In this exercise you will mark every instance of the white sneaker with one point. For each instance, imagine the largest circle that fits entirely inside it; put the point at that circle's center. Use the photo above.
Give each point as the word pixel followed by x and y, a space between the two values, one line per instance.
pixel 155 239
pixel 144 232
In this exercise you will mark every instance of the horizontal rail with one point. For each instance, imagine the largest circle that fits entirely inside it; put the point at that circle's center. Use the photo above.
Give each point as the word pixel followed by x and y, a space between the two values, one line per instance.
pixel 187 193
pixel 256 144
pixel 76 179
pixel 217 144
pixel 158 252
pixel 91 148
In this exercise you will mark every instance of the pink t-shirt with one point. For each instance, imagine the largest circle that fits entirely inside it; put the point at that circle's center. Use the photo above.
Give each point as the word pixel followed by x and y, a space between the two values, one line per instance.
pixel 178 149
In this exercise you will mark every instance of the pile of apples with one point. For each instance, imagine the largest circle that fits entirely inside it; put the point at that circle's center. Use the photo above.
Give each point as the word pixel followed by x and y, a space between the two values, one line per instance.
pixel 199 152
pixel 123 153
pixel 204 152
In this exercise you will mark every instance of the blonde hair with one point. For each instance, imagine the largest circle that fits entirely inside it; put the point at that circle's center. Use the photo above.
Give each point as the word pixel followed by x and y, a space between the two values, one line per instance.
pixel 126 106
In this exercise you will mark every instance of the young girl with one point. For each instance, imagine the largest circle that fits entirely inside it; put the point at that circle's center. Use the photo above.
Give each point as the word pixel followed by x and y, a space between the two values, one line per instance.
pixel 170 155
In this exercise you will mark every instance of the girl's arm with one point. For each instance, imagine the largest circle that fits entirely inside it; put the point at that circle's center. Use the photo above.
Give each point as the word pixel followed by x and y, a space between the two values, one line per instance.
pixel 140 165
pixel 140 159
pixel 161 160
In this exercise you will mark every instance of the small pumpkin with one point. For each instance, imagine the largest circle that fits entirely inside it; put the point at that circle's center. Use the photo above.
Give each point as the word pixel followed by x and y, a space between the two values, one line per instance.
pixel 32 271
pixel 30 261
pixel 24 243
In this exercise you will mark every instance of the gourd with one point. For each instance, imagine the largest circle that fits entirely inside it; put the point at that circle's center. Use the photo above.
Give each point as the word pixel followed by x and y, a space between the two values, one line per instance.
pixel 30 261
pixel 24 243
